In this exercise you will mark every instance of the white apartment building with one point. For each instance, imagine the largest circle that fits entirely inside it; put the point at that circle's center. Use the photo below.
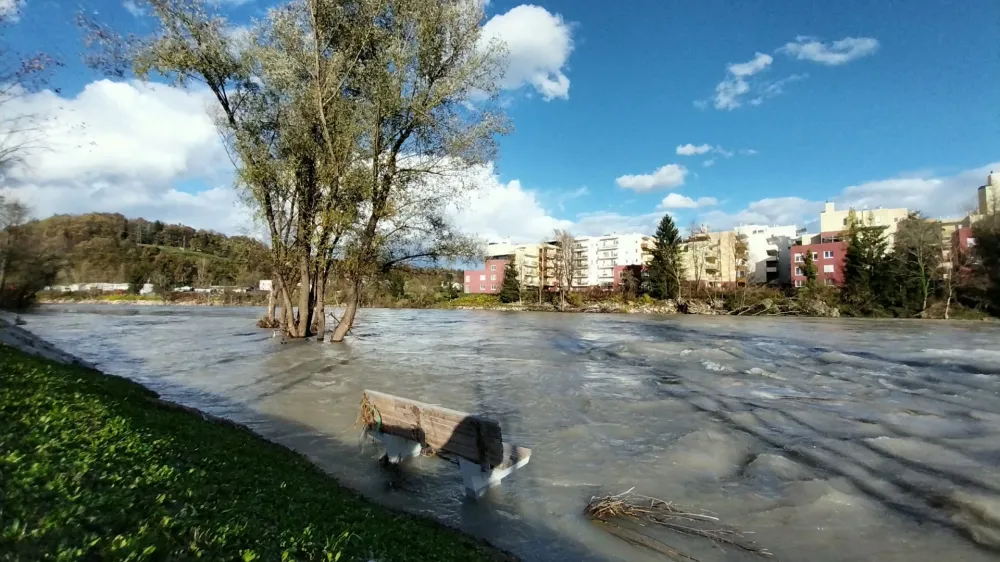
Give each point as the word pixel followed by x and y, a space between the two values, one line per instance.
pixel 769 251
pixel 597 257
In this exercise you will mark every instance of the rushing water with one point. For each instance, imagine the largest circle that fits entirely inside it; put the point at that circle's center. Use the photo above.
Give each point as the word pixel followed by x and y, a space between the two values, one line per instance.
pixel 830 440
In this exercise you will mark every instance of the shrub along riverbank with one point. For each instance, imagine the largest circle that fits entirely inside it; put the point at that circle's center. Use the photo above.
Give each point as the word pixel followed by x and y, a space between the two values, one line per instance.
pixel 94 467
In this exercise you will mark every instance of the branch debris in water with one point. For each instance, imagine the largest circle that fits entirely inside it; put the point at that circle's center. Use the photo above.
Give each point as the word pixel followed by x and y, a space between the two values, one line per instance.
pixel 646 510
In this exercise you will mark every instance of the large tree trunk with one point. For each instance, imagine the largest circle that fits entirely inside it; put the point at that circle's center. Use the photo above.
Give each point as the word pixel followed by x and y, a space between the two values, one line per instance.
pixel 350 311
pixel 271 302
pixel 305 300
pixel 319 316
pixel 947 304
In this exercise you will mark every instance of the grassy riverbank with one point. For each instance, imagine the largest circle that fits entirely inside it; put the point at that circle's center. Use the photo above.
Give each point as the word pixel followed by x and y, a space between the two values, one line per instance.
pixel 94 467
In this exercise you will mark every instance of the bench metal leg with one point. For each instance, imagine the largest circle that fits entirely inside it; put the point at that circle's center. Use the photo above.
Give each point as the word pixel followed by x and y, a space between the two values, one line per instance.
pixel 397 449
pixel 477 480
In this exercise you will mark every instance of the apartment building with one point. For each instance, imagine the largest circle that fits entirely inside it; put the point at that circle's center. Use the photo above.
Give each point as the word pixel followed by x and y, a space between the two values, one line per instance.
pixel 533 263
pixel 599 260
pixel 715 259
pixel 829 254
pixel 989 195
pixel 769 252
pixel 832 221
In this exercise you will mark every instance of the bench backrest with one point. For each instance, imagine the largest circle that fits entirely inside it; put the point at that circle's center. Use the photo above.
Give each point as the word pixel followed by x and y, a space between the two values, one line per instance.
pixel 472 437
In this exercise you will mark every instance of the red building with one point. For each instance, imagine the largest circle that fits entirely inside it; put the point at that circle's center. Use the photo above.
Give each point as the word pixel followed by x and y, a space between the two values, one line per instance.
pixel 487 280
pixel 829 253
pixel 961 241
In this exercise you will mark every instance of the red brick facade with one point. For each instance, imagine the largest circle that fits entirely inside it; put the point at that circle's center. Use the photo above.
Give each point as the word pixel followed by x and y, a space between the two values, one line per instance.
pixel 487 280
pixel 828 257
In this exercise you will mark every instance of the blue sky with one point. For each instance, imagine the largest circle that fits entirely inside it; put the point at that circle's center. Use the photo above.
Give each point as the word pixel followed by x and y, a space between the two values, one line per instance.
pixel 892 103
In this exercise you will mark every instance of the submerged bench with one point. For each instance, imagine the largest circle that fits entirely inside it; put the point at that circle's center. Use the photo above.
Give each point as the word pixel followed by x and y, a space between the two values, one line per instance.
pixel 405 427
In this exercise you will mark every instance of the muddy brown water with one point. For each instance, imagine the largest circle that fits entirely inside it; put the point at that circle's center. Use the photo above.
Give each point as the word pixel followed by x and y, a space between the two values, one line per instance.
pixel 829 440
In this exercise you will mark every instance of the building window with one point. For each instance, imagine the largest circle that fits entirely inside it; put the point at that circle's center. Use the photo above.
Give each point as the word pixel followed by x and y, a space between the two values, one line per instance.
pixel 798 271
pixel 798 258
pixel 815 256
pixel 493 277
pixel 798 282
pixel 482 277
pixel 482 287
pixel 845 221
pixel 493 287
pixel 467 278
pixel 828 268
pixel 828 282
pixel 493 268
pixel 828 254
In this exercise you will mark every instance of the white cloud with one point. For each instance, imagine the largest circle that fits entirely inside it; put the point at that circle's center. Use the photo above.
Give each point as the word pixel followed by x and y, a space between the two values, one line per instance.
pixel 772 210
pixel 691 150
pixel 538 44
pixel 131 7
pixel 671 175
pixel 724 152
pixel 128 148
pixel 934 196
pixel 9 10
pixel 504 210
pixel 748 151
pixel 118 130
pixel 678 201
pixel 759 62
pixel 708 163
pixel 831 54
pixel 735 85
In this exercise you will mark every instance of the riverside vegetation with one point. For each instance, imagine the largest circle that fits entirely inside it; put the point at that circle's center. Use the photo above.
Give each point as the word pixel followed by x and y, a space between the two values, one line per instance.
pixel 95 467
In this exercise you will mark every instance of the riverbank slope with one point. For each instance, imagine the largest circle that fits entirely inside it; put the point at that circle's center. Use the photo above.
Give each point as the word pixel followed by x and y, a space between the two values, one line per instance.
pixel 98 467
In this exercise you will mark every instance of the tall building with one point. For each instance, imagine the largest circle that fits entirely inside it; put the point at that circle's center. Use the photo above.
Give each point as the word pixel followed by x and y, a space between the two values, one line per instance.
pixel 829 254
pixel 768 252
pixel 832 221
pixel 715 259
pixel 989 195
pixel 599 260
pixel 532 261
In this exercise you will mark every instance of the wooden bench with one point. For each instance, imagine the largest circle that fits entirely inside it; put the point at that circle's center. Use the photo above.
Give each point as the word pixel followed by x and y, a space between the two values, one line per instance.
pixel 405 427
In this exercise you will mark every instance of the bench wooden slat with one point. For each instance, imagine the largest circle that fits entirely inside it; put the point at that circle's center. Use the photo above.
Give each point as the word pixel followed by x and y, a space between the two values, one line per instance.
pixel 473 437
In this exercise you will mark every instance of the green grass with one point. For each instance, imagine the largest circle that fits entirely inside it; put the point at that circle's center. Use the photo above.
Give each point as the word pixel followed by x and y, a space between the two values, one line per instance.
pixel 93 467
pixel 474 300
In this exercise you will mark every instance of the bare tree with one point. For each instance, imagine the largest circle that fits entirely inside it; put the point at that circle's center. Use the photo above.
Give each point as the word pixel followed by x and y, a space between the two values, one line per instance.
pixel 20 74
pixel 564 264
pixel 917 251
pixel 698 249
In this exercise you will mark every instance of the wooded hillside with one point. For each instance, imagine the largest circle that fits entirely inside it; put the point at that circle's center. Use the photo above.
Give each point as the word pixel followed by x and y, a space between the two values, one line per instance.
pixel 108 247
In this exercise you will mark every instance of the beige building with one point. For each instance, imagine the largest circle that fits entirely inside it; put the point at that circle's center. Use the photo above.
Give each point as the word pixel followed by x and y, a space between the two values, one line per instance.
pixel 533 261
pixel 715 258
pixel 832 220
pixel 989 195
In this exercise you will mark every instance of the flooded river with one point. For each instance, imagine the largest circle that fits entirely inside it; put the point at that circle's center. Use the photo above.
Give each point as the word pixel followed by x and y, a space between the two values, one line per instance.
pixel 829 440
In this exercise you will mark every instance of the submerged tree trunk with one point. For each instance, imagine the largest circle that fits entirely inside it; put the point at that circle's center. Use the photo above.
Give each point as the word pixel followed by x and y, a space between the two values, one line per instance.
pixel 303 325
pixel 350 311
pixel 271 302
pixel 319 315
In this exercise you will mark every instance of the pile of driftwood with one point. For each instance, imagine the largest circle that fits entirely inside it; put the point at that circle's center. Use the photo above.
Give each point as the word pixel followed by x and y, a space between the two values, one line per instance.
pixel 627 515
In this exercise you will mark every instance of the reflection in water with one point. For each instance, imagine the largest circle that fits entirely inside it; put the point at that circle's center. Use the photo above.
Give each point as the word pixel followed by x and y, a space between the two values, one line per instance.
pixel 830 440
